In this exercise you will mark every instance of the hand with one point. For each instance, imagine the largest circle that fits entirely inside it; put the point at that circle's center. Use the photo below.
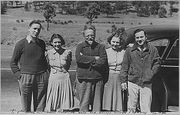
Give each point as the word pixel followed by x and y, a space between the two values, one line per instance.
pixel 63 70
pixel 124 86
pixel 96 57
pixel 19 77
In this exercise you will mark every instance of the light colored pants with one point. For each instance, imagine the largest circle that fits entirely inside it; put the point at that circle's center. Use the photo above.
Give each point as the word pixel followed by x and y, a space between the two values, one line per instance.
pixel 144 94
pixel 90 93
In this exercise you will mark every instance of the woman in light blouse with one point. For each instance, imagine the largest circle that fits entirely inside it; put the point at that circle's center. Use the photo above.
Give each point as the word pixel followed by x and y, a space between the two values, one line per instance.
pixel 59 93
pixel 112 98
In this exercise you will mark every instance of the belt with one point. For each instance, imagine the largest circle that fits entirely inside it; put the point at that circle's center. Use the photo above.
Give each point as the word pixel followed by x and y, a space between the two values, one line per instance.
pixel 114 70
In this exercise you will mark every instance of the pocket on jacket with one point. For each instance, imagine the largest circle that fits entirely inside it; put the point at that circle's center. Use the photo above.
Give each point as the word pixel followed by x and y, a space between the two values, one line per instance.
pixel 132 70
pixel 148 75
pixel 52 58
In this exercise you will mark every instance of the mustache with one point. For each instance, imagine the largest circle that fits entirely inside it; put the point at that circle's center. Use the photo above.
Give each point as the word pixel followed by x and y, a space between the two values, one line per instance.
pixel 90 39
pixel 57 45
pixel 140 41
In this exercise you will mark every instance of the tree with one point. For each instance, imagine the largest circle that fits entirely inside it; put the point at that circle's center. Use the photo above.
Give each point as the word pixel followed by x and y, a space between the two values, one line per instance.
pixel 49 13
pixel 162 12
pixel 106 8
pixel 3 7
pixel 122 6
pixel 27 6
pixel 171 7
pixel 92 12
pixel 142 8
pixel 154 7
pixel 81 7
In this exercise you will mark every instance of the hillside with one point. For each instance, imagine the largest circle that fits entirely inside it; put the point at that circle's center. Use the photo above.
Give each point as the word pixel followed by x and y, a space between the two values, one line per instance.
pixel 14 25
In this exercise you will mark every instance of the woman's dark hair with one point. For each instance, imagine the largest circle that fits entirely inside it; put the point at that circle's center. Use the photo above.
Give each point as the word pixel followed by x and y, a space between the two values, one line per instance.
pixel 35 22
pixel 57 36
pixel 120 32
pixel 139 30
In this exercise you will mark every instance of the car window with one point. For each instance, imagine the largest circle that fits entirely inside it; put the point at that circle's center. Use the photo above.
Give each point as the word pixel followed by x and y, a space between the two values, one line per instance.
pixel 174 52
pixel 160 44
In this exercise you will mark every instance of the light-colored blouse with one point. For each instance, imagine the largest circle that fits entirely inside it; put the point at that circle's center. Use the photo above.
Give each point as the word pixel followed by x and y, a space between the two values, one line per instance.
pixel 59 63
pixel 115 59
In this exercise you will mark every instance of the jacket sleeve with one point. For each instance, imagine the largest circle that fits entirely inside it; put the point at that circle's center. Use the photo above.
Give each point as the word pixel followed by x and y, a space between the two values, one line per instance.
pixel 68 61
pixel 156 62
pixel 125 66
pixel 80 58
pixel 103 58
pixel 47 59
pixel 15 59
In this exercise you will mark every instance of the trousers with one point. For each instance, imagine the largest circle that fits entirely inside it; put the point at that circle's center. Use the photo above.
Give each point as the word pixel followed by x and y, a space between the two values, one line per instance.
pixel 35 85
pixel 141 94
pixel 90 93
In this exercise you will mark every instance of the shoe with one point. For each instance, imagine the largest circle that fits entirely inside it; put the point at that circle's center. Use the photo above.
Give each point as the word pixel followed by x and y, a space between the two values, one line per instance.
pixel 131 110
pixel 59 110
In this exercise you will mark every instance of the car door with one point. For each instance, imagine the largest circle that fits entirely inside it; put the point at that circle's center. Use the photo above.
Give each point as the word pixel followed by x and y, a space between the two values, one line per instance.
pixel 170 68
pixel 166 82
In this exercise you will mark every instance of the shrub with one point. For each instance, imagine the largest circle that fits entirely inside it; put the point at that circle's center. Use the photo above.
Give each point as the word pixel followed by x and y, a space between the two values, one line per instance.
pixel 14 28
pixel 17 21
pixel 70 21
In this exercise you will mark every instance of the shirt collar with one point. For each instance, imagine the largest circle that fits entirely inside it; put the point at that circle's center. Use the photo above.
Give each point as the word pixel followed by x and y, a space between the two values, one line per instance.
pixel 29 39
pixel 54 51
pixel 87 44
pixel 94 44
pixel 60 51
pixel 119 50
pixel 136 47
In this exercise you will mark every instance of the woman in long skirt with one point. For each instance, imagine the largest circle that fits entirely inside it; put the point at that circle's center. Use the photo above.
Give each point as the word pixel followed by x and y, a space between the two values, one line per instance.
pixel 59 94
pixel 112 98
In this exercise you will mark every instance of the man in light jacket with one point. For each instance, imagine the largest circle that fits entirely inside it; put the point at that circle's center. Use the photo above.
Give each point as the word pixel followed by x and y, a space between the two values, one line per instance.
pixel 140 63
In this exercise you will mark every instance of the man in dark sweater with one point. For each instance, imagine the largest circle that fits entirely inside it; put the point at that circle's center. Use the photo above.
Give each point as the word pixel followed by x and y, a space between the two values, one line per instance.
pixel 91 61
pixel 29 65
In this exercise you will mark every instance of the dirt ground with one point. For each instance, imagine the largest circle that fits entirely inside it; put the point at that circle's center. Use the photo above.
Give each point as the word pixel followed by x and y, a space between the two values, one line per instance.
pixel 12 31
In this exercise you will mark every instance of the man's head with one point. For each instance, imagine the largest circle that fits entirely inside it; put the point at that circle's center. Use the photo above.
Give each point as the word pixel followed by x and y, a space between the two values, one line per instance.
pixel 34 28
pixel 140 37
pixel 89 34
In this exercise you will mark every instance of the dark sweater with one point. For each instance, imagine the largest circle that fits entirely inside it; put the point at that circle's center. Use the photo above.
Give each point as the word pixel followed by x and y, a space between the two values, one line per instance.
pixel 30 56
pixel 87 67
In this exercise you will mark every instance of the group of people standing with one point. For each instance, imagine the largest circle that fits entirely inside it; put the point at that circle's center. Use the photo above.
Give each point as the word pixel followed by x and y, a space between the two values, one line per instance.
pixel 101 76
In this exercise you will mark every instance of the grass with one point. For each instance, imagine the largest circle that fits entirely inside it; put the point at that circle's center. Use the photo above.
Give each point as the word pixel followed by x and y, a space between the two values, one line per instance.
pixel 72 33
pixel 12 31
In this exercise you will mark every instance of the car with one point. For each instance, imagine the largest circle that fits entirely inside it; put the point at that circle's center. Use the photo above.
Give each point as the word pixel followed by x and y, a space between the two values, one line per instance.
pixel 165 84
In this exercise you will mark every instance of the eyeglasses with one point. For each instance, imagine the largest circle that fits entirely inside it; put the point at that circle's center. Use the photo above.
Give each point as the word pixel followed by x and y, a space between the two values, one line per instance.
pixel 139 37
pixel 57 42
pixel 89 37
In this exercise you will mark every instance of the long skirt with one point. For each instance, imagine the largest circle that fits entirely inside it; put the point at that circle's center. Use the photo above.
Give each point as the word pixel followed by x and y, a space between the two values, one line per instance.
pixel 112 98
pixel 59 94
